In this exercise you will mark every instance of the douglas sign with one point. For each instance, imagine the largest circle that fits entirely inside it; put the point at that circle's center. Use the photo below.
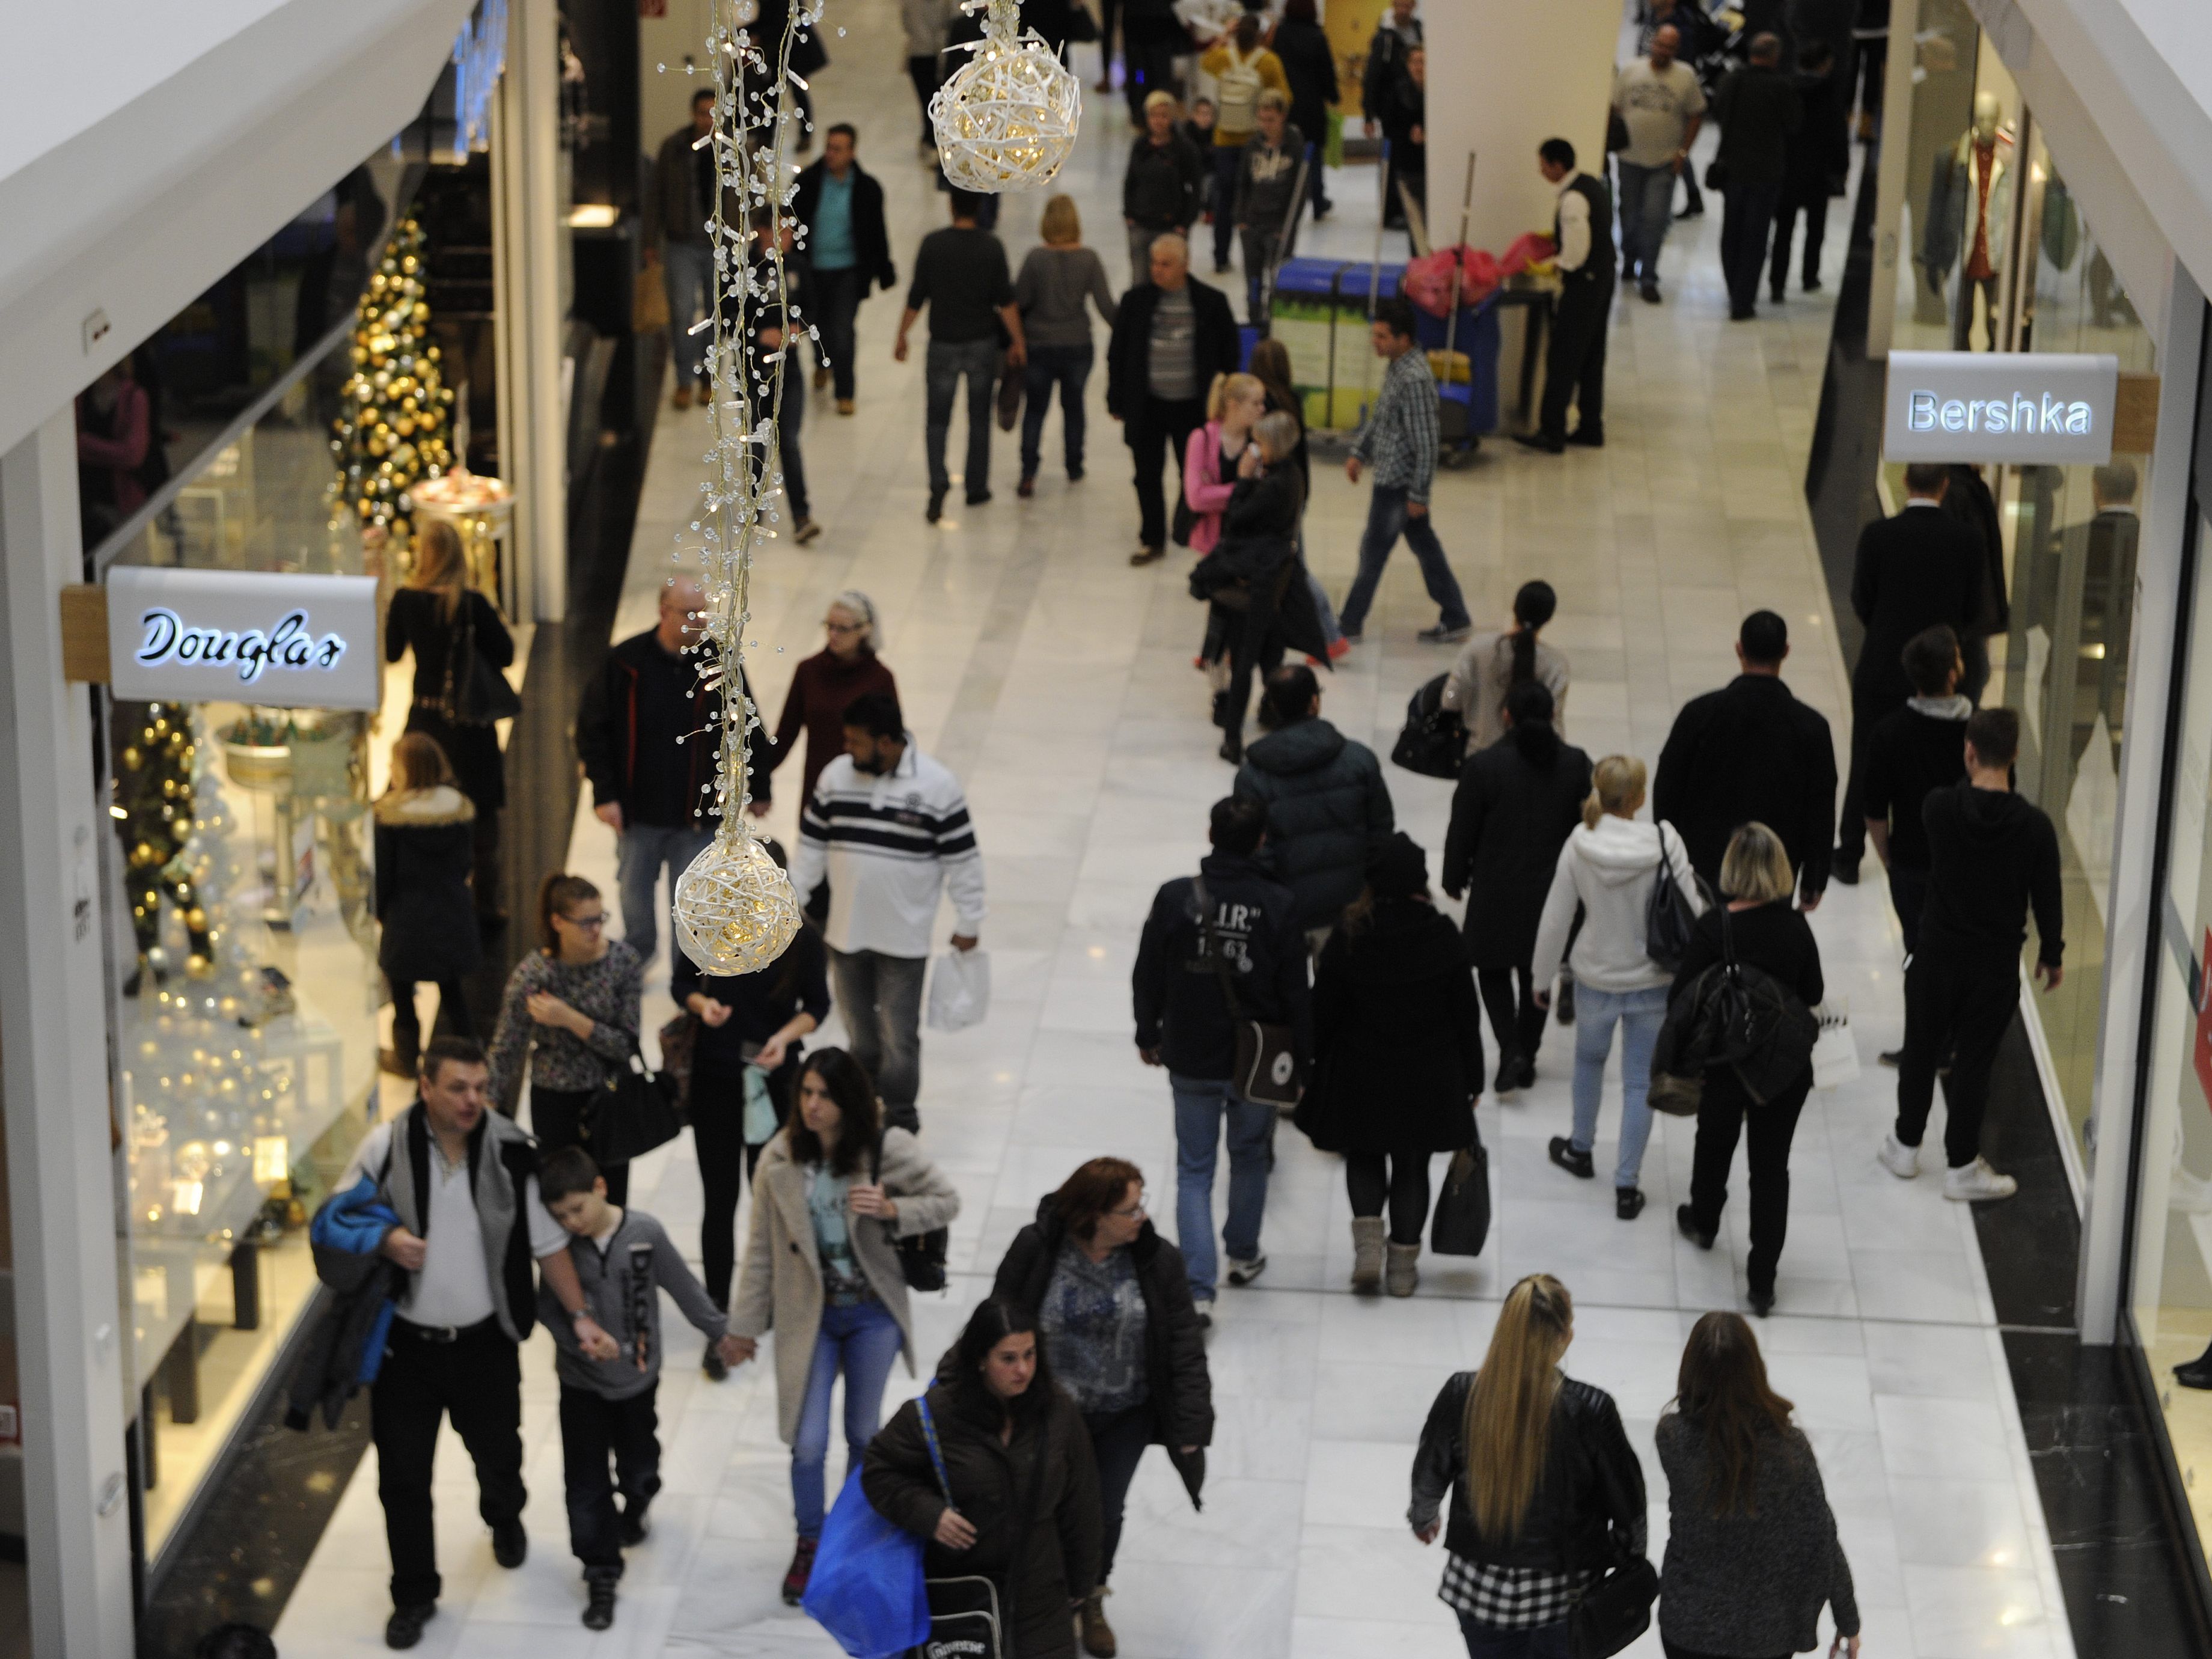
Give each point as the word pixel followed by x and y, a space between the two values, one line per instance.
pixel 2019 408
pixel 295 642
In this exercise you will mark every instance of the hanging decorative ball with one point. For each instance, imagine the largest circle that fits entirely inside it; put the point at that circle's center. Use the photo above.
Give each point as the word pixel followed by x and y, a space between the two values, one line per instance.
pixel 735 911
pixel 1006 118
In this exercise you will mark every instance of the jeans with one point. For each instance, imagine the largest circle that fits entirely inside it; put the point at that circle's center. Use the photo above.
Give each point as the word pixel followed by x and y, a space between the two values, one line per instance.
pixel 477 1380
pixel 1388 519
pixel 1488 1642
pixel 1141 238
pixel 862 1341
pixel 1514 1019
pixel 1722 1115
pixel 556 1118
pixel 1224 160
pixel 1647 207
pixel 1068 367
pixel 1201 1106
pixel 1260 246
pixel 1118 1440
pixel 593 1428
pixel 1153 429
pixel 407 1024
pixel 840 295
pixel 1402 1178
pixel 687 271
pixel 641 852
pixel 1640 1014
pixel 880 997
pixel 1962 1007
pixel 949 363
pixel 1748 218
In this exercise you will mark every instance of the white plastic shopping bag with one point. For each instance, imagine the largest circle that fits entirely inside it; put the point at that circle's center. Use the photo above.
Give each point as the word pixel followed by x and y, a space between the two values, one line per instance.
pixel 960 990
pixel 1835 1051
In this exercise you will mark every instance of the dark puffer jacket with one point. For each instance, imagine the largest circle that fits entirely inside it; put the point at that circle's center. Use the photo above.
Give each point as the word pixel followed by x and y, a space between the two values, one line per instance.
pixel 1042 1557
pixel 1178 1388
pixel 1181 1014
pixel 1589 1500
pixel 1328 810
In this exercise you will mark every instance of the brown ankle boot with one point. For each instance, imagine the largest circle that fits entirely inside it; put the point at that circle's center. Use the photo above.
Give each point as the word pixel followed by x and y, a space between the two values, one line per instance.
pixel 1366 1253
pixel 1402 1275
pixel 1097 1634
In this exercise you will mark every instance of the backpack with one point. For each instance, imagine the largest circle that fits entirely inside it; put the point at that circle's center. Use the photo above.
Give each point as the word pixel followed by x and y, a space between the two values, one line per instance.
pixel 1236 88
pixel 1735 1015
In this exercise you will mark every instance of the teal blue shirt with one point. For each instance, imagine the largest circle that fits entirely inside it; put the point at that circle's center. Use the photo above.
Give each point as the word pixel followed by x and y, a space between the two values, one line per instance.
pixel 831 245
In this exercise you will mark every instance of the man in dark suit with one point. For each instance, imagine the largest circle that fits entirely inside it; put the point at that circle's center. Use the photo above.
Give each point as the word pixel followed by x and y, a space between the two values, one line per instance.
pixel 1758 115
pixel 1913 571
pixel 1752 751
pixel 1171 336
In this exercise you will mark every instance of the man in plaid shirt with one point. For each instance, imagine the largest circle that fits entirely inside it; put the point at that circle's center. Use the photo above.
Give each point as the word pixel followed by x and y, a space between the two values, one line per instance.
pixel 1400 441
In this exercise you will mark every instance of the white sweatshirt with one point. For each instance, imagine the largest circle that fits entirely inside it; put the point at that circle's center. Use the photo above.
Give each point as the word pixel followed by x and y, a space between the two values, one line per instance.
pixel 1610 870
pixel 888 844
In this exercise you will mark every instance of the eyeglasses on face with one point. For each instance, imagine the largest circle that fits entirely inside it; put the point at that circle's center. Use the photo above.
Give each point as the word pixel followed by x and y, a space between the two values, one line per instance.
pixel 837 626
pixel 1129 1213
pixel 590 924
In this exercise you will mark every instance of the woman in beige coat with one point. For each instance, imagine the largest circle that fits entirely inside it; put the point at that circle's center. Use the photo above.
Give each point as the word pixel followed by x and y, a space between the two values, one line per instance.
pixel 832 1193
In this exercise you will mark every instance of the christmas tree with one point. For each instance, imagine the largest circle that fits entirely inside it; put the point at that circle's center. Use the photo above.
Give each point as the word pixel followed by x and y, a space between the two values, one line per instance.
pixel 399 412
pixel 153 810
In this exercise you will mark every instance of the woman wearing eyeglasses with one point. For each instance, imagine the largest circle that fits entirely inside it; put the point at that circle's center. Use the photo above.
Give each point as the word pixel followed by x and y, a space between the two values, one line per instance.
pixel 571 1006
pixel 822 688
pixel 1113 1305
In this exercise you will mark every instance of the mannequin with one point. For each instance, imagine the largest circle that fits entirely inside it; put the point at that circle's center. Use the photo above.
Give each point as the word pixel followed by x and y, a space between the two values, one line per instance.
pixel 1981 189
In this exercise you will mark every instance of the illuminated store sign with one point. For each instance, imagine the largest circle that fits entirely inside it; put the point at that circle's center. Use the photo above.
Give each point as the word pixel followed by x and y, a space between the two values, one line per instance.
pixel 290 641
pixel 2015 407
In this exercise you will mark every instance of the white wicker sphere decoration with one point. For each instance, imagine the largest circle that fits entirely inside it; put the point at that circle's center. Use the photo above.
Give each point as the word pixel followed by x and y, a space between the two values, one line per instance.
pixel 735 911
pixel 1006 119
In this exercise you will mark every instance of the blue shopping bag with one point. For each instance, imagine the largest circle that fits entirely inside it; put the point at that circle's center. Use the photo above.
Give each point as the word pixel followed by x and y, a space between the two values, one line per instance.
pixel 866 1587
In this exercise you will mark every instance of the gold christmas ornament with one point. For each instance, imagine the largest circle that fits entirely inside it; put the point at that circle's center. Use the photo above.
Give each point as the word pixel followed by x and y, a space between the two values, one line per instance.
pixel 1006 118
pixel 735 911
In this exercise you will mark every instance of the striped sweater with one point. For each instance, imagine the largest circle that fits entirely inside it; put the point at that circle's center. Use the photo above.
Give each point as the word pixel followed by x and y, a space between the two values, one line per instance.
pixel 887 843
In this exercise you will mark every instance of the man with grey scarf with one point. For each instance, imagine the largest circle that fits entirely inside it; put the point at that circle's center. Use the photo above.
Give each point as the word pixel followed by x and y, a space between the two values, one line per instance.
pixel 463 1179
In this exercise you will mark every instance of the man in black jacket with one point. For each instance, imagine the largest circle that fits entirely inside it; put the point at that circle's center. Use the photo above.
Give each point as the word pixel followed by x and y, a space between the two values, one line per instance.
pixel 1758 114
pixel 1913 571
pixel 1751 751
pixel 767 312
pixel 1991 855
pixel 1820 158
pixel 1231 924
pixel 842 208
pixel 1912 752
pixel 1172 337
pixel 1163 189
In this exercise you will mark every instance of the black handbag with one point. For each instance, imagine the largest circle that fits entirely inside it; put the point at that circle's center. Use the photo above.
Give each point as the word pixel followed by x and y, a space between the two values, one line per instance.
pixel 1433 740
pixel 1716 174
pixel 1266 1065
pixel 1668 918
pixel 634 1110
pixel 921 1256
pixel 1615 1611
pixel 680 1045
pixel 1462 1226
pixel 480 694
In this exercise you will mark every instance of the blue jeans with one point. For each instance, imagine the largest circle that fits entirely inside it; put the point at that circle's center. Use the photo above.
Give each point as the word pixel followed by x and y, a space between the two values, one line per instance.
pixel 687 271
pixel 1640 1014
pixel 1542 1642
pixel 1386 520
pixel 863 1341
pixel 1647 207
pixel 1067 368
pixel 976 361
pixel 640 850
pixel 1200 1105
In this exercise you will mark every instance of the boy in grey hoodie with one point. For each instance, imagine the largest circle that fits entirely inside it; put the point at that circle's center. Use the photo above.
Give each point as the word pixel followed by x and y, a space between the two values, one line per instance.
pixel 623 1259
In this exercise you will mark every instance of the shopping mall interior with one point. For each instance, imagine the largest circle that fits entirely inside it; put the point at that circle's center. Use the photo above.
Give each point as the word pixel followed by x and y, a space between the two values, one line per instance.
pixel 419 298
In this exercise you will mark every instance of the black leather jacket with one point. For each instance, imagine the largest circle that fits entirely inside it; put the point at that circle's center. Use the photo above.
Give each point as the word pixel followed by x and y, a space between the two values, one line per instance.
pixel 1588 1507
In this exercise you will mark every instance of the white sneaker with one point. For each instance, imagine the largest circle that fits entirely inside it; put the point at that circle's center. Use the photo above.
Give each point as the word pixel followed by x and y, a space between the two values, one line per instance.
pixel 1971 1183
pixel 1899 1159
pixel 1241 1273
pixel 1204 1306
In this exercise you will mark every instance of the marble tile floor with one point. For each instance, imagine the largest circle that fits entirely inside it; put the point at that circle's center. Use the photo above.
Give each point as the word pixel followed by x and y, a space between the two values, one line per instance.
pixel 1058 682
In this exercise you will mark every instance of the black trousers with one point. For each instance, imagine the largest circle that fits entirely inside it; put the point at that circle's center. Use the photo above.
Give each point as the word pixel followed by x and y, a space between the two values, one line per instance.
pixel 484 879
pixel 1961 1008
pixel 1747 217
pixel 593 1429
pixel 1868 705
pixel 1574 361
pixel 838 295
pixel 718 1141
pixel 1152 428
pixel 1255 645
pixel 1815 209
pixel 1118 1440
pixel 1908 895
pixel 407 1024
pixel 922 72
pixel 1147 67
pixel 477 1380
pixel 1722 1116
pixel 556 1118
pixel 1402 1177
pixel 1514 1019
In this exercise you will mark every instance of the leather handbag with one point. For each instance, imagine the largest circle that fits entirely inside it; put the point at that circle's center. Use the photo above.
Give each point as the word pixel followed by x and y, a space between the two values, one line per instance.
pixel 1462 1225
pixel 1669 919
pixel 634 1110
pixel 1615 1610
pixel 1267 1066
pixel 477 694
pixel 1433 740
pixel 921 1256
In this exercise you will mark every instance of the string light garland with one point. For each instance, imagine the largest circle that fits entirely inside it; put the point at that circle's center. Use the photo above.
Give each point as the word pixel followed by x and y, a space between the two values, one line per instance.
pixel 1006 118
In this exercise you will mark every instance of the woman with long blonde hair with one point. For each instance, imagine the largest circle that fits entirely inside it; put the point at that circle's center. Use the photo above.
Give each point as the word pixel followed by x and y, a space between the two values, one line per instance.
pixel 1547 1495
pixel 1234 404
pixel 450 626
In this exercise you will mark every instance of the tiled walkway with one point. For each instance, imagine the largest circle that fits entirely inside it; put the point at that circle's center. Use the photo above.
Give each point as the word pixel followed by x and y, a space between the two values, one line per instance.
pixel 1058 683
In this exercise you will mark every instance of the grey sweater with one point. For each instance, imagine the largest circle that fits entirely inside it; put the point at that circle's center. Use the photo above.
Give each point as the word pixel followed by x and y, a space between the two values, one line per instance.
pixel 1051 289
pixel 621 1280
pixel 1750 1582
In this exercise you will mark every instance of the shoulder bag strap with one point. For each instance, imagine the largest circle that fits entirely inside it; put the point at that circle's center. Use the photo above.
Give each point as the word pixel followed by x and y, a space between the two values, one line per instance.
pixel 936 1452
pixel 1210 942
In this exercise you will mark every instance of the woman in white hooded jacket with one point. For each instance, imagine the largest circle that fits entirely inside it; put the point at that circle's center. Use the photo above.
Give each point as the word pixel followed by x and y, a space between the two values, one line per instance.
pixel 1608 867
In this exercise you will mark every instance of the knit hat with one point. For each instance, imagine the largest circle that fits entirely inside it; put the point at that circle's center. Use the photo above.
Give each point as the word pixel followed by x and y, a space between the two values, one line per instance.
pixel 1399 868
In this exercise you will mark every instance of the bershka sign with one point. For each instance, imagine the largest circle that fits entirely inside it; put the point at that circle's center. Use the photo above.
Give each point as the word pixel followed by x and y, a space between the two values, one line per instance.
pixel 289 641
pixel 2019 408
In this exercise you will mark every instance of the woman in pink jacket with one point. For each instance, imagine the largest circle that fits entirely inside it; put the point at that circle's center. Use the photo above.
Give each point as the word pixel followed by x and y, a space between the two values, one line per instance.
pixel 1233 408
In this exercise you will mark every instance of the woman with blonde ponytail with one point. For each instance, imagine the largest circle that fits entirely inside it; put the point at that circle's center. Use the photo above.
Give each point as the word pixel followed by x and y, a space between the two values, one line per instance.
pixel 1607 868
pixel 1547 1495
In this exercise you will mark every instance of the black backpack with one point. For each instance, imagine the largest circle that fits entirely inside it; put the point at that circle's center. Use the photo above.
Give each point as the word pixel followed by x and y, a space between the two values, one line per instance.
pixel 1738 1016
pixel 1434 740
